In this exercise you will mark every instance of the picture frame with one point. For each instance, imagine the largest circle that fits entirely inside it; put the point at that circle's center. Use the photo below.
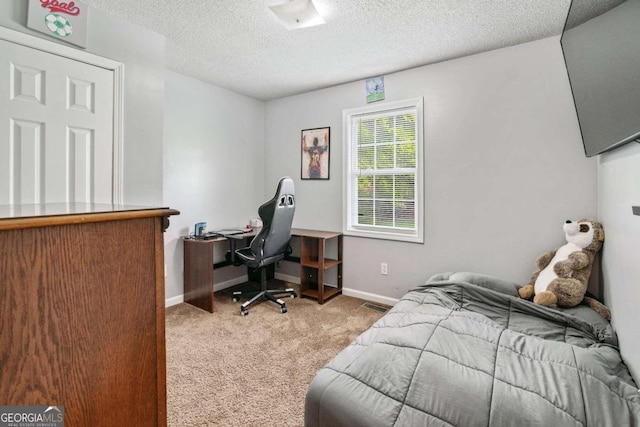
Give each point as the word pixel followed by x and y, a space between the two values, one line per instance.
pixel 315 153
pixel 375 89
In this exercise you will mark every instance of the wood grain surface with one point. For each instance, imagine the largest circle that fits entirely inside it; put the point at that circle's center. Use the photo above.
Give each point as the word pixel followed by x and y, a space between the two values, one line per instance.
pixel 82 320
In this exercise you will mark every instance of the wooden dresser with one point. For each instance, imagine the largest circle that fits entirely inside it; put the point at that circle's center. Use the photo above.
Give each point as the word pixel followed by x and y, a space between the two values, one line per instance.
pixel 82 311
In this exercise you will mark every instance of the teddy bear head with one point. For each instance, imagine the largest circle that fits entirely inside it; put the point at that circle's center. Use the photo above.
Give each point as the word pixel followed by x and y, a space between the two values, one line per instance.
pixel 585 233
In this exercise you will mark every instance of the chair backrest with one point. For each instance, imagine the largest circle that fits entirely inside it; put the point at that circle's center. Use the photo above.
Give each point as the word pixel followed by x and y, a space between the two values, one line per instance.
pixel 277 217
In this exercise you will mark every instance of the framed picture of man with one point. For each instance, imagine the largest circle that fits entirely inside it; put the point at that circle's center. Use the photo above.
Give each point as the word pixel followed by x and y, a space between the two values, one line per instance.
pixel 315 153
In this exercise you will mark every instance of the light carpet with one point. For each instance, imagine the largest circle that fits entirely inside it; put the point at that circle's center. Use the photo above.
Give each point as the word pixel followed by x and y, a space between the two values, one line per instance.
pixel 224 369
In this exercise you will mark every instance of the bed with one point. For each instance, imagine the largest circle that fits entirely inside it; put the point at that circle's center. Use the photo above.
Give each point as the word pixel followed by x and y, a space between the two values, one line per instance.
pixel 464 350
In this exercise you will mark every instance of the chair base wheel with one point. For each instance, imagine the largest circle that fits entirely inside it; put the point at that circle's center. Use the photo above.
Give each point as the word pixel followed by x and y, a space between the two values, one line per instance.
pixel 257 296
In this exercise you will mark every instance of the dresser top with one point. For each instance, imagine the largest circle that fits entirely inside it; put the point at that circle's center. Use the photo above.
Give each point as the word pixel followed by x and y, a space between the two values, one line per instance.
pixel 47 214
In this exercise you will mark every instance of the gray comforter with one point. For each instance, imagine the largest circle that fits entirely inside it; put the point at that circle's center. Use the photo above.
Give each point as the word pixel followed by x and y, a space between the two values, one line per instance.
pixel 464 350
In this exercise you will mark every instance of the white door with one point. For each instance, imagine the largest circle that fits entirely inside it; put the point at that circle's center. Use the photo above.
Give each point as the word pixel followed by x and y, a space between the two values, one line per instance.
pixel 56 128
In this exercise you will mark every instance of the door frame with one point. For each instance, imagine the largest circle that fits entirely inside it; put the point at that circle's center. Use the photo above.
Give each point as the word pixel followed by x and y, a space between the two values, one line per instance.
pixel 47 46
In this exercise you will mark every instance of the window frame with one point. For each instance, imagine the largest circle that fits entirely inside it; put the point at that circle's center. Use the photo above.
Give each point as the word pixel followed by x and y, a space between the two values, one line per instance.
pixel 350 180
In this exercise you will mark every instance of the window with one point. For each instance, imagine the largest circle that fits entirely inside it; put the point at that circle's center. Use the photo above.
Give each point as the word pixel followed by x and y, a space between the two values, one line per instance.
pixel 383 171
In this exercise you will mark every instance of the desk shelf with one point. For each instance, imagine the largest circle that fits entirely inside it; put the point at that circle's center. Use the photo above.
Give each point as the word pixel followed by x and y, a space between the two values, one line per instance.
pixel 327 293
pixel 314 263
pixel 328 263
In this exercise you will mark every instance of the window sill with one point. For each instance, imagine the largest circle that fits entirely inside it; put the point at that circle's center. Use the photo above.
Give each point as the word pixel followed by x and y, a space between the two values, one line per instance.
pixel 381 235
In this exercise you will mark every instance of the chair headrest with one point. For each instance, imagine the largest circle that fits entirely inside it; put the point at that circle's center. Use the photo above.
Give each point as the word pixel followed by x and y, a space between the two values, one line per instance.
pixel 285 186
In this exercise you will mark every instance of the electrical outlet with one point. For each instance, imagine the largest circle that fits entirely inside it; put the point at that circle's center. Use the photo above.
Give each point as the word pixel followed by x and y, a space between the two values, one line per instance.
pixel 383 268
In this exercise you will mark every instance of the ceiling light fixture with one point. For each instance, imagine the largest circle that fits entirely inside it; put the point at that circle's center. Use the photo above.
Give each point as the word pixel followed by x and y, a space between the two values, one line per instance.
pixel 296 14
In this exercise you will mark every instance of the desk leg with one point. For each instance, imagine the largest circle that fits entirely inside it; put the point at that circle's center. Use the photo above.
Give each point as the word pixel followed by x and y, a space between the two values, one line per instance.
pixel 198 274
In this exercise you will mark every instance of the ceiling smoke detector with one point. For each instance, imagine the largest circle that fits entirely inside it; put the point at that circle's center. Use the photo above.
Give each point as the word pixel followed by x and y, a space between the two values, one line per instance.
pixel 297 14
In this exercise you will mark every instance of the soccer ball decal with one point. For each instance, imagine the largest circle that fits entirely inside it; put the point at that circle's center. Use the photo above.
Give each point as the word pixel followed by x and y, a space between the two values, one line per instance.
pixel 58 25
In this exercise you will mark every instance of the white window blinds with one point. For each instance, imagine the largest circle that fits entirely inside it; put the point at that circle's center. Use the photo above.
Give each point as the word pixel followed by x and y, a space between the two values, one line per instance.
pixel 384 171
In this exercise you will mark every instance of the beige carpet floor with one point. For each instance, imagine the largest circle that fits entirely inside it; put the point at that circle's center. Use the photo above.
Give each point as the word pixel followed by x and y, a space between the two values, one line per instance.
pixel 224 369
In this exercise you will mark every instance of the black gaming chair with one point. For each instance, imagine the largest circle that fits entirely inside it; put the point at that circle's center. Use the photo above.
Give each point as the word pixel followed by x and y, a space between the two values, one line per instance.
pixel 270 244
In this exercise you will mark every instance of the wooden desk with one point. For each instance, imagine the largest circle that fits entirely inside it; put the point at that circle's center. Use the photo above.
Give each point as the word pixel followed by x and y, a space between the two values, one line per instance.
pixel 82 311
pixel 199 268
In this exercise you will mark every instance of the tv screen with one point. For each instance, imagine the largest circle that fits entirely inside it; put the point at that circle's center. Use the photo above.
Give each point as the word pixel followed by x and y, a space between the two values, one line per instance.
pixel 601 47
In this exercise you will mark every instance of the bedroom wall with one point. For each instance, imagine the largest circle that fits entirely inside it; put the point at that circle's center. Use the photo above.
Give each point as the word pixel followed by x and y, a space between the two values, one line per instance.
pixel 618 190
pixel 143 53
pixel 504 166
pixel 213 167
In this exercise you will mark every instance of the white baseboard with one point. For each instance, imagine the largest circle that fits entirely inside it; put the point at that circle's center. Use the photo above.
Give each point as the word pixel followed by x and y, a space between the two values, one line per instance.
pixel 380 299
pixel 229 283
pixel 216 287
pixel 174 301
pixel 286 278
pixel 367 296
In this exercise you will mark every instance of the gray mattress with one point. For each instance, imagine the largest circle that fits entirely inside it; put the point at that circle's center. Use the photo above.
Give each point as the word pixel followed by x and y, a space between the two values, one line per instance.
pixel 464 350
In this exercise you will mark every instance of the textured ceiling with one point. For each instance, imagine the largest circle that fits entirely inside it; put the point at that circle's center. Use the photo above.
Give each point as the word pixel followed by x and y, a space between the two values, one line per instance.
pixel 240 45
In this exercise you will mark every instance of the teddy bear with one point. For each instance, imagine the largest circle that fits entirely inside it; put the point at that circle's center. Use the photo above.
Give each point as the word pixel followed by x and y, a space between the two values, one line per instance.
pixel 562 274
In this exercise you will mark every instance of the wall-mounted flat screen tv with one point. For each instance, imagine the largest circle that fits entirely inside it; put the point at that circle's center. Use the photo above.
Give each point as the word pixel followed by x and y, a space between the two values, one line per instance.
pixel 601 47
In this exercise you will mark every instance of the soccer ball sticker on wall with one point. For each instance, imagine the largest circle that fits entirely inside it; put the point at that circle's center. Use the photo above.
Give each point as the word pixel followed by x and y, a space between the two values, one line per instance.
pixel 375 89
pixel 62 19
pixel 58 25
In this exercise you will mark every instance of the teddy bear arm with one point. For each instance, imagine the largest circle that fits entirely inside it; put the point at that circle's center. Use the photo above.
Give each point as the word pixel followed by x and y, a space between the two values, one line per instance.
pixel 564 268
pixel 580 260
pixel 575 261
pixel 544 259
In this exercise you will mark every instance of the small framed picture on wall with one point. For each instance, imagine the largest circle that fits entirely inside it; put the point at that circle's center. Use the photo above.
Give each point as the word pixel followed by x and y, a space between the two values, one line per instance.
pixel 315 153
pixel 375 89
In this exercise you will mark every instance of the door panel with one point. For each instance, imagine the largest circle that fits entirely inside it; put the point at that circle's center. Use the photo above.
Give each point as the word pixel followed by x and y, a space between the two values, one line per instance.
pixel 56 128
